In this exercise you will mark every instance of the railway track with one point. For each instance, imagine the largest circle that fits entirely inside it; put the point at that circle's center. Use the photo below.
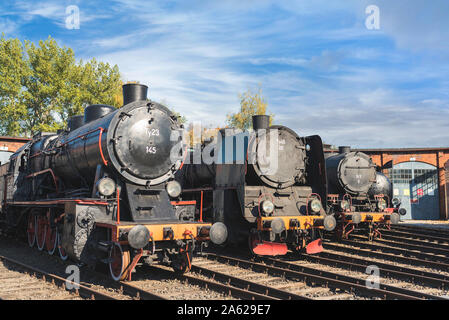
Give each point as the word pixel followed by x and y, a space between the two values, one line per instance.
pixel 229 287
pixel 223 277
pixel 444 233
pixel 409 244
pixel 376 252
pixel 322 278
pixel 21 281
pixel 415 236
pixel 273 285
pixel 399 249
pixel 406 274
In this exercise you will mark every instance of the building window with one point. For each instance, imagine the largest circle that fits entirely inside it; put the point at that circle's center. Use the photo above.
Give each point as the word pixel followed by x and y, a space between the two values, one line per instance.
pixel 400 175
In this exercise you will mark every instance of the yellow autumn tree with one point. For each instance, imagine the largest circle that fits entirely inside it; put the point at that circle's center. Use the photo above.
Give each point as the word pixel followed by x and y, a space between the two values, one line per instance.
pixel 208 132
pixel 251 104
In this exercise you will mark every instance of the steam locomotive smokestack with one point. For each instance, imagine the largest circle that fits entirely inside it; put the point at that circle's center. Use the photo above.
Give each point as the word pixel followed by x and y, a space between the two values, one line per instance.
pixel 134 92
pixel 344 149
pixel 261 122
pixel 75 122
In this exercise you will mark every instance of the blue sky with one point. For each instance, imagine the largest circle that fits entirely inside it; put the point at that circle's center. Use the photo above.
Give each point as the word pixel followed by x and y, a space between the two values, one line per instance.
pixel 321 70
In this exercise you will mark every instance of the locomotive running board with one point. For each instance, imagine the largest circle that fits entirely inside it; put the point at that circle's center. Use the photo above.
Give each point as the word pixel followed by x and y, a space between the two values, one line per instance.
pixel 315 247
pixel 266 248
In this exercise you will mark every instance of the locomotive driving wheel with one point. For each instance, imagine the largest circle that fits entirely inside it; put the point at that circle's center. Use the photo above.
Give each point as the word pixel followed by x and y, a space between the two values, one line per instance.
pixel 118 262
pixel 62 254
pixel 31 230
pixel 41 231
pixel 51 240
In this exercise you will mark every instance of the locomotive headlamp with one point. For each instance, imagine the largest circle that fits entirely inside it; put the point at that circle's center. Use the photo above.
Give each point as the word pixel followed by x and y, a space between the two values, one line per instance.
pixel 382 204
pixel 344 204
pixel 396 202
pixel 315 205
pixel 106 186
pixel 267 206
pixel 174 189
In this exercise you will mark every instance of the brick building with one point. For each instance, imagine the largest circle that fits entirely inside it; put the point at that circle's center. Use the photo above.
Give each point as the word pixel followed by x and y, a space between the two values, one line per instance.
pixel 420 179
pixel 9 145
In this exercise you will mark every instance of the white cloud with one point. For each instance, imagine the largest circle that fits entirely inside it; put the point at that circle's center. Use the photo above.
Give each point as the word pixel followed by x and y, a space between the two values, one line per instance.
pixel 416 25
pixel 8 27
pixel 321 70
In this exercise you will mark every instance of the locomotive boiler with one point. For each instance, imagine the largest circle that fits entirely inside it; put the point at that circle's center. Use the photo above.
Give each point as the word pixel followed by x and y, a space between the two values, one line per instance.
pixel 103 190
pixel 266 188
pixel 358 195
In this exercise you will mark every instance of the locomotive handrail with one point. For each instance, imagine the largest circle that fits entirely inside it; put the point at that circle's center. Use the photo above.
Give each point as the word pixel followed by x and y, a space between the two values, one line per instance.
pixel 308 197
pixel 105 162
pixel 45 171
pixel 348 196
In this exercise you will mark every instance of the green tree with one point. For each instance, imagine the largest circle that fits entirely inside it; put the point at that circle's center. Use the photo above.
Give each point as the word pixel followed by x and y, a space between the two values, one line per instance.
pixel 42 85
pixel 251 103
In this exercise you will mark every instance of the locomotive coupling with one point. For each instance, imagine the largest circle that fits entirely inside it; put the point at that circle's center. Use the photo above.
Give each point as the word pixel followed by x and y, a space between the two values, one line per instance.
pixel 218 233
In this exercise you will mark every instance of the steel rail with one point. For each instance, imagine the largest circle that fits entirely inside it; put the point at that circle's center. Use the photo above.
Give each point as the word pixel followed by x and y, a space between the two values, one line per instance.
pixel 401 273
pixel 410 240
pixel 248 285
pixel 391 290
pixel 81 290
pixel 214 286
pixel 388 256
pixel 414 235
pixel 324 278
pixel 138 293
pixel 422 230
pixel 408 245
pixel 395 250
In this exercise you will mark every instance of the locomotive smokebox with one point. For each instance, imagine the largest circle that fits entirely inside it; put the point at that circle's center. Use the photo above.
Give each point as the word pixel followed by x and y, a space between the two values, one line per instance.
pixel 344 149
pixel 261 122
pixel 134 92
pixel 75 122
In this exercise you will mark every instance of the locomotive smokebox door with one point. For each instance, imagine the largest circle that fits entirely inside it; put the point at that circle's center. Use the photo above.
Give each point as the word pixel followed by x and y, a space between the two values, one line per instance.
pixel 79 225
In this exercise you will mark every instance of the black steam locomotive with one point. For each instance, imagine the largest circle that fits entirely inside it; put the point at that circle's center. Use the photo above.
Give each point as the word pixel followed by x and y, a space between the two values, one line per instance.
pixel 103 191
pixel 358 196
pixel 267 188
